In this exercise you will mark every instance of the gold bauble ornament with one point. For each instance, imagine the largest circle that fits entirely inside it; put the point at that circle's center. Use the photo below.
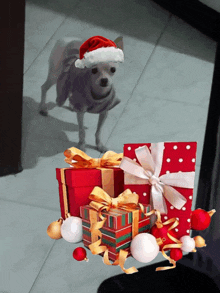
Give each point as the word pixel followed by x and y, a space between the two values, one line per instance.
pixel 54 229
pixel 199 241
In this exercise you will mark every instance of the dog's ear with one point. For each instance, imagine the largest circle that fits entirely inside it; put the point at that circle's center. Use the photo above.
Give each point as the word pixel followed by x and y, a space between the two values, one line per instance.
pixel 119 42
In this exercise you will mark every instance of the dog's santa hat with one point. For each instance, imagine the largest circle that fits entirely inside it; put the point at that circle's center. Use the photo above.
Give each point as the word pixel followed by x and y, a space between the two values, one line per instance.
pixel 98 50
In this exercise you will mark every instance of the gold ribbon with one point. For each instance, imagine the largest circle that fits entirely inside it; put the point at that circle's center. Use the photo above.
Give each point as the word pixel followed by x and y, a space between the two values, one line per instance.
pixel 78 159
pixel 148 171
pixel 178 243
pixel 82 160
pixel 102 201
pixel 65 200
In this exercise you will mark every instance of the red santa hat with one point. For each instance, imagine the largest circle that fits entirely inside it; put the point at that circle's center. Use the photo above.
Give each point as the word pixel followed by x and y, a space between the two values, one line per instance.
pixel 98 50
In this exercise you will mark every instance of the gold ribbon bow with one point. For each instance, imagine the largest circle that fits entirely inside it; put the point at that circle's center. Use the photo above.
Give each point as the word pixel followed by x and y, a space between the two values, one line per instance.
pixel 148 173
pixel 82 160
pixel 177 244
pixel 102 201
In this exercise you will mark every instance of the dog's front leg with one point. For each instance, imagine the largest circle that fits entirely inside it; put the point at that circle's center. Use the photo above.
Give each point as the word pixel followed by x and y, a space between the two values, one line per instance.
pixel 82 133
pixel 102 117
pixel 44 88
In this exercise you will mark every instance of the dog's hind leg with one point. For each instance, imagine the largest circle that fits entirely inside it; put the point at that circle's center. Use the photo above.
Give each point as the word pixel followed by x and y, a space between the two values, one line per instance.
pixel 44 88
pixel 102 117
pixel 57 55
pixel 82 133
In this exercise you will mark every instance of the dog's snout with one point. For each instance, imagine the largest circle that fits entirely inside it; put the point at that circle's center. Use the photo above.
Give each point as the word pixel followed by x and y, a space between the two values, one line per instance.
pixel 104 82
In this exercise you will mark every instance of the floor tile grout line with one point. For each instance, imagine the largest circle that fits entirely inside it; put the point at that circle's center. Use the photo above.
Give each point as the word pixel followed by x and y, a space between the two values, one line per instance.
pixel 46 136
pixel 44 46
pixel 65 18
pixel 175 101
pixel 42 266
pixel 152 53
pixel 27 204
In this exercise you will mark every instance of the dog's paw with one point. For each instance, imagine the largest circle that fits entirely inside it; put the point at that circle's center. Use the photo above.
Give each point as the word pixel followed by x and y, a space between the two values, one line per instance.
pixel 101 148
pixel 81 146
pixel 43 110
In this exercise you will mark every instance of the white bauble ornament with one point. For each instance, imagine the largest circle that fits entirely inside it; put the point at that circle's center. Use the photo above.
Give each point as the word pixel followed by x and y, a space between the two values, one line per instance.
pixel 144 247
pixel 188 243
pixel 71 229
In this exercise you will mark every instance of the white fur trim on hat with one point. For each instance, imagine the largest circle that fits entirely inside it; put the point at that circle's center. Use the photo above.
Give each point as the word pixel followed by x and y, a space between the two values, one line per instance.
pixel 100 55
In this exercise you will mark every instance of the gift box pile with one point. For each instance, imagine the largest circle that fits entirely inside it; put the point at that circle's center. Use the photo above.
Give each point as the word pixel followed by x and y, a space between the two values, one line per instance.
pixel 167 163
pixel 117 229
pixel 156 178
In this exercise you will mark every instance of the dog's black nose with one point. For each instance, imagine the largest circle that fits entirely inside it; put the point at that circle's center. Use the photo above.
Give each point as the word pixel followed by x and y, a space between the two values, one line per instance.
pixel 104 82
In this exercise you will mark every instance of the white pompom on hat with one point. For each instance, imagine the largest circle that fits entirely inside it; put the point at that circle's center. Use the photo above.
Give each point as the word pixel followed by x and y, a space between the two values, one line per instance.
pixel 98 50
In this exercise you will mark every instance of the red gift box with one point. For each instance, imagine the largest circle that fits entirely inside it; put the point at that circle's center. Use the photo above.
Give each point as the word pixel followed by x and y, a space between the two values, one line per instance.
pixel 79 183
pixel 177 157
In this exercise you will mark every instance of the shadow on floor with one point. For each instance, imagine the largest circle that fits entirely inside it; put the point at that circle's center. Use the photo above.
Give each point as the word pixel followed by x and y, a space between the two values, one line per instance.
pixel 42 136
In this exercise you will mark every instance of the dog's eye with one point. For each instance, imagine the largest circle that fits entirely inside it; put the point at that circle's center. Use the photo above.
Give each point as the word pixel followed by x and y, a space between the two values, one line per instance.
pixel 113 69
pixel 94 70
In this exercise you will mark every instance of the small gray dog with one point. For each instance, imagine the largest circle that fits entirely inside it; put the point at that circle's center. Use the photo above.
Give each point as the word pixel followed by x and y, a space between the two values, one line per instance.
pixel 83 72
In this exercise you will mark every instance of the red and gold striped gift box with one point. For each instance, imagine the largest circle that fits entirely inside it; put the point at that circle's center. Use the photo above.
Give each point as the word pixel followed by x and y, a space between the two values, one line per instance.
pixel 116 218
pixel 112 256
pixel 117 231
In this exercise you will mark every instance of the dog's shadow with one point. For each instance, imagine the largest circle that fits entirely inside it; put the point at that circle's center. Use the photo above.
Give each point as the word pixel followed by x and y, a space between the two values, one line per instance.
pixel 43 136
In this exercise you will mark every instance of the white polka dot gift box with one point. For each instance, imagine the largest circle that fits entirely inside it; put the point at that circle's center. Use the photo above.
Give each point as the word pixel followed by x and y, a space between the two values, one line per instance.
pixel 162 174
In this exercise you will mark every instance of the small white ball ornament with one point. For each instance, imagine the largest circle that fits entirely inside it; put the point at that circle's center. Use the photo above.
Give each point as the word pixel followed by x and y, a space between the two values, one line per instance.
pixel 144 247
pixel 188 243
pixel 71 229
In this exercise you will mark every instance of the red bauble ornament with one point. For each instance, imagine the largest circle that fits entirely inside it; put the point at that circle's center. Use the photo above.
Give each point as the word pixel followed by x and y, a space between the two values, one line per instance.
pixel 176 254
pixel 80 254
pixel 160 231
pixel 200 219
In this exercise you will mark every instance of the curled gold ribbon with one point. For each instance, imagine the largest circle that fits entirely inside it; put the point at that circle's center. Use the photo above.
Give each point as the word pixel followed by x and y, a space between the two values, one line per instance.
pixel 148 171
pixel 82 160
pixel 177 244
pixel 102 201
pixel 96 248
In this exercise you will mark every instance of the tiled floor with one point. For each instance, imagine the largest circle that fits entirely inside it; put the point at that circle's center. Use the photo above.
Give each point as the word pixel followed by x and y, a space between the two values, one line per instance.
pixel 164 86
